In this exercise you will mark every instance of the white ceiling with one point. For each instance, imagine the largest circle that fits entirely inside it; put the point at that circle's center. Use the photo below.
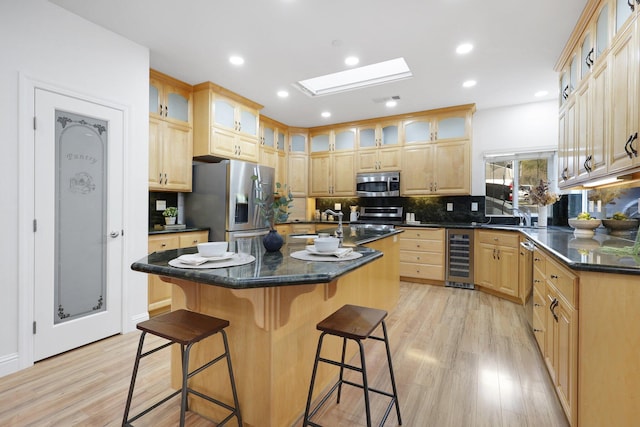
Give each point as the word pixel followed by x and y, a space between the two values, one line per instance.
pixel 517 44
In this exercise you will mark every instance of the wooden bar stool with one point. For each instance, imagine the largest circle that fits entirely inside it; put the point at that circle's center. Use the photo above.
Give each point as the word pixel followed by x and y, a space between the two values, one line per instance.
pixel 185 328
pixel 354 323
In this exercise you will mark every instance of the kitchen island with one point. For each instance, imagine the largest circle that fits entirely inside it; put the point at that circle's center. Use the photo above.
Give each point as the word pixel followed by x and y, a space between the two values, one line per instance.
pixel 273 305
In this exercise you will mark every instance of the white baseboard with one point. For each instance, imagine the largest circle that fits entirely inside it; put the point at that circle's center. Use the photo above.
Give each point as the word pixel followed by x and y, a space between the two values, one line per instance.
pixel 9 364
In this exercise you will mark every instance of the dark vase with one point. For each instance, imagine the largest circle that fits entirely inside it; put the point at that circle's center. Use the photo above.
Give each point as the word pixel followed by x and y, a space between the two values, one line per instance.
pixel 273 241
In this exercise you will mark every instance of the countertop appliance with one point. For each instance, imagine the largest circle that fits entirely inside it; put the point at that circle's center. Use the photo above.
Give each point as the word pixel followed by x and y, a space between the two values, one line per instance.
pixel 378 184
pixel 224 198
pixel 459 258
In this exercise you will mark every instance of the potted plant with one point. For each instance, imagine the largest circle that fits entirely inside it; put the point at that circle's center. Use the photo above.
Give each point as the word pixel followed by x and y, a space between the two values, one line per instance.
pixel 170 215
pixel 541 195
pixel 274 209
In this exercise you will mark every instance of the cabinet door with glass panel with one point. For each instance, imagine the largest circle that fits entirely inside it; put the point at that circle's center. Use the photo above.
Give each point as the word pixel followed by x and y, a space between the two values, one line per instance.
pixel 297 162
pixel 379 147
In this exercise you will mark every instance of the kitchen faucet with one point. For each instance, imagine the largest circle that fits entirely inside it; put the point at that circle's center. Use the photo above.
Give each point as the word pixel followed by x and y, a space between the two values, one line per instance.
pixel 524 216
pixel 339 215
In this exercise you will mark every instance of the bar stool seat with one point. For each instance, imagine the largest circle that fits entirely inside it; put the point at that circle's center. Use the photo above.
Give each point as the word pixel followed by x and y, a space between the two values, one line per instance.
pixel 354 323
pixel 185 328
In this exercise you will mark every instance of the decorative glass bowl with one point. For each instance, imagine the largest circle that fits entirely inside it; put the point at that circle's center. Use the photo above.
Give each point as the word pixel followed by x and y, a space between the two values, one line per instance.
pixel 584 228
pixel 620 227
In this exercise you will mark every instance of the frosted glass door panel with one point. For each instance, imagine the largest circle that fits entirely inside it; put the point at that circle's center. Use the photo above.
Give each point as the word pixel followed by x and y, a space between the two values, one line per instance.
pixel 319 143
pixel 390 135
pixel 281 141
pixel 367 138
pixel 602 31
pixel 224 113
pixel 623 12
pixel 80 216
pixel 298 144
pixel 345 140
pixel 248 123
pixel 268 135
pixel 178 107
pixel 585 59
pixel 417 131
pixel 154 100
pixel 451 127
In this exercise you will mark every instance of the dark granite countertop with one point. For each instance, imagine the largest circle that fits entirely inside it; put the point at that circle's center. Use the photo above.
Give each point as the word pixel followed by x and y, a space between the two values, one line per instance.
pixel 184 230
pixel 269 269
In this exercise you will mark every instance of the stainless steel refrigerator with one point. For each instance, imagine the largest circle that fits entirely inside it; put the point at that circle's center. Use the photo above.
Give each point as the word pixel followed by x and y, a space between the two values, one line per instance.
pixel 223 198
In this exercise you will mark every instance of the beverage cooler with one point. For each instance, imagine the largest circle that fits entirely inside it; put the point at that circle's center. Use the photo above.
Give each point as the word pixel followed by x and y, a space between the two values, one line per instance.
pixel 459 258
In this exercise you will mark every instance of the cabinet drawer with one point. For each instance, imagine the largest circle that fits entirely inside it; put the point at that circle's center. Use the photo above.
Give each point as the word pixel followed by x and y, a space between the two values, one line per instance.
pixel 564 281
pixel 421 245
pixel 423 234
pixel 538 280
pixel 303 228
pixel 502 238
pixel 421 271
pixel 540 261
pixel 188 240
pixel 427 258
pixel 163 242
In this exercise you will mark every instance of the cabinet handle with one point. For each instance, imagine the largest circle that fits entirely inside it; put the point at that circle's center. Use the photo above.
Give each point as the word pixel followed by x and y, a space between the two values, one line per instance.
pixel 552 307
pixel 494 253
pixel 163 244
pixel 166 111
pixel 631 5
pixel 588 60
pixel 435 186
pixel 537 330
pixel 565 92
pixel 536 281
pixel 535 304
pixel 165 179
pixel 536 259
pixel 564 175
pixel 626 144
pixel 436 134
pixel 633 150
pixel 160 178
pixel 498 252
pixel 161 108
pixel 553 276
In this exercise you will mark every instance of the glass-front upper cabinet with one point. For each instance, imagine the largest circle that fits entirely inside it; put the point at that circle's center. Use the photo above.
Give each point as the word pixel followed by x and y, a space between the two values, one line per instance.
pixel 379 135
pixel 344 139
pixel 167 100
pixel 268 136
pixel 297 143
pixel 573 75
pixel 586 56
pixel 418 130
pixel 624 10
pixel 280 141
pixel 232 115
pixel 451 127
pixel 224 113
pixel 602 32
pixel 320 142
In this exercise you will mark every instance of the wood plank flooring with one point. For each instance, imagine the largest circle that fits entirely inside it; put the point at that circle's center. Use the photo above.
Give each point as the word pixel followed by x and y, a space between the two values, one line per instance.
pixel 461 358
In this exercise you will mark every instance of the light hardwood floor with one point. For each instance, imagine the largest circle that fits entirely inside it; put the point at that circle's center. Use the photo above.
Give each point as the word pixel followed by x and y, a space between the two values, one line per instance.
pixel 461 358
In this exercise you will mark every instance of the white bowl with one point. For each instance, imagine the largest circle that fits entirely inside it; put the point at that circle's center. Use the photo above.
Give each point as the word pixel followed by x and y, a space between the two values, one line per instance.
pixel 326 244
pixel 213 248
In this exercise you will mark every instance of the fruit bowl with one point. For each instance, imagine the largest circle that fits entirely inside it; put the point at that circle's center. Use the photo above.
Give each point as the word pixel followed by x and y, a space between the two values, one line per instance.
pixel 584 227
pixel 620 227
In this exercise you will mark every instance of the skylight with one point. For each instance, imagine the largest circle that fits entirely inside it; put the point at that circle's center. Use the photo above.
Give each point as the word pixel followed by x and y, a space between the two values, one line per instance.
pixel 356 78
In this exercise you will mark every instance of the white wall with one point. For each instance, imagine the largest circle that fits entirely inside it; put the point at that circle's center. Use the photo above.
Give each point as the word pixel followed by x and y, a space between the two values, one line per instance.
pixel 507 129
pixel 46 43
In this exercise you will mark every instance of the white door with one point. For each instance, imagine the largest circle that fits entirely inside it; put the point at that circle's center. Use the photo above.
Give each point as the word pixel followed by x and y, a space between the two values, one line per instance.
pixel 78 222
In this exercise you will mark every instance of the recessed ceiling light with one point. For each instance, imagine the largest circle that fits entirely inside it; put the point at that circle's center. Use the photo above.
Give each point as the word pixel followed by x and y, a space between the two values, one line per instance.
pixel 236 60
pixel 356 78
pixel 541 93
pixel 351 60
pixel 464 48
pixel 391 103
pixel 469 83
pixel 283 93
pixel 326 114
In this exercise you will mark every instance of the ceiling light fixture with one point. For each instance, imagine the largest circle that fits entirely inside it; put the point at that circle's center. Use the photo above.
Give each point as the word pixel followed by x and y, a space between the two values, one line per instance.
pixel 603 181
pixel 326 114
pixel 464 48
pixel 540 93
pixel 391 103
pixel 283 93
pixel 351 60
pixel 236 60
pixel 356 78
pixel 469 83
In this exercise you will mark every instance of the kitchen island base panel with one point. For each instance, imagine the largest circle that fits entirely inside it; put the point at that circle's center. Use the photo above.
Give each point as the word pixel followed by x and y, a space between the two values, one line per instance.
pixel 273 336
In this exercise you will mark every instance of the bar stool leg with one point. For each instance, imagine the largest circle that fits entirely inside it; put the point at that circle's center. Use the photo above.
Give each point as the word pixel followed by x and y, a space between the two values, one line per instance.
pixel 344 349
pixel 365 383
pixel 233 382
pixel 133 379
pixel 313 380
pixel 392 376
pixel 185 378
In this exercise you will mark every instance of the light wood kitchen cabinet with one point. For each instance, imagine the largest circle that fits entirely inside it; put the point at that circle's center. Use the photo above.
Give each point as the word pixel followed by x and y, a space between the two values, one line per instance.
pixel 170 133
pixel 496 262
pixel 379 147
pixel 272 143
pixel 298 162
pixel 436 168
pixel 422 254
pixel 159 292
pixel 332 163
pixel 226 125
pixel 566 145
pixel 446 125
pixel 539 298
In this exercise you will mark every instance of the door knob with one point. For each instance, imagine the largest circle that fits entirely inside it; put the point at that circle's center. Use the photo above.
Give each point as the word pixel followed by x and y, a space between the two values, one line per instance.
pixel 114 234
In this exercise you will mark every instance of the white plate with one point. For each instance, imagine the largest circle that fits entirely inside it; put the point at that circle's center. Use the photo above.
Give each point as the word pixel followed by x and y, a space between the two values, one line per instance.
pixel 305 236
pixel 338 252
pixel 197 256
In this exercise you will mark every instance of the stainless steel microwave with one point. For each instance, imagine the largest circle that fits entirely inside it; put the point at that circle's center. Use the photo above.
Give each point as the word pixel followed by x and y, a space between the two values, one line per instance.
pixel 378 184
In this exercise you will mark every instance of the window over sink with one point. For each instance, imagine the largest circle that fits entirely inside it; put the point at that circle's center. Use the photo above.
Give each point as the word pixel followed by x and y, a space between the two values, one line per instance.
pixel 509 178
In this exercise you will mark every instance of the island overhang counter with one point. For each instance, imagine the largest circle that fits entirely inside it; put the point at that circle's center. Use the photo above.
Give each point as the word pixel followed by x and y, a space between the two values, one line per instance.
pixel 273 306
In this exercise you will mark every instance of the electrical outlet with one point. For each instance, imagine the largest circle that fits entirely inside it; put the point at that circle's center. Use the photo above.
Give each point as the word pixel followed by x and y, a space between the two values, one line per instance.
pixel 337 207
pixel 474 206
pixel 161 205
pixel 449 207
